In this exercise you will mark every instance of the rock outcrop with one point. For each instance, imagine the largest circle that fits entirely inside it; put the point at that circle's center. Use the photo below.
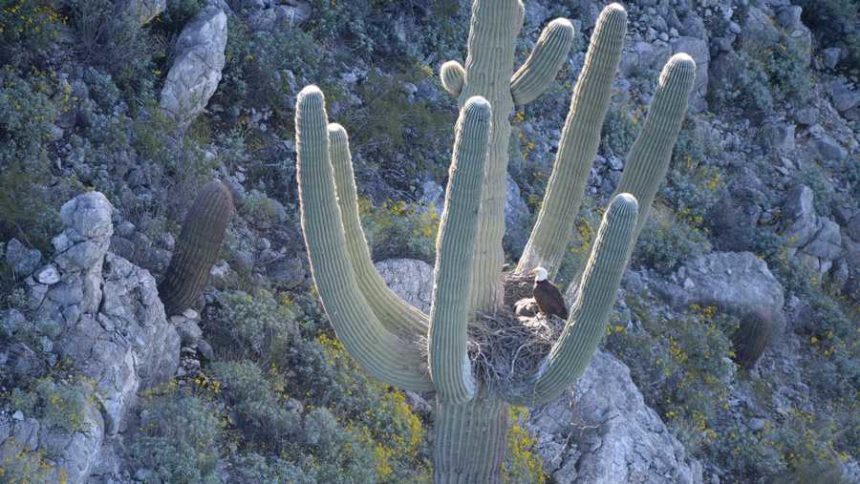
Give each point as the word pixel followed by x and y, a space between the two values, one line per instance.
pixel 101 316
pixel 196 72
pixel 411 279
pixel 602 431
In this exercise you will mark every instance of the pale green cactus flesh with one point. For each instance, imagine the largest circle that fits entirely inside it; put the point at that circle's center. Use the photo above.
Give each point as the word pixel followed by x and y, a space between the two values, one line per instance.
pixel 382 332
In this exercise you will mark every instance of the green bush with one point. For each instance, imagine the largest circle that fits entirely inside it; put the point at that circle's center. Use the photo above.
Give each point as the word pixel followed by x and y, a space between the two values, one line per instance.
pixel 252 326
pixel 27 30
pixel 666 242
pixel 400 229
pixel 259 412
pixel 681 363
pixel 56 403
pixel 178 439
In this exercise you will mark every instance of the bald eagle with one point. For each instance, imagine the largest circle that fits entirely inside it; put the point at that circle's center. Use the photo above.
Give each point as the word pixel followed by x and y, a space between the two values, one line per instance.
pixel 547 296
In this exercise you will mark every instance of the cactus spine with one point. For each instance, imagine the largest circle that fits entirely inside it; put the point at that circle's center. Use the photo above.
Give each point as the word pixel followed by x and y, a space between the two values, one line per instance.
pixel 382 332
pixel 197 248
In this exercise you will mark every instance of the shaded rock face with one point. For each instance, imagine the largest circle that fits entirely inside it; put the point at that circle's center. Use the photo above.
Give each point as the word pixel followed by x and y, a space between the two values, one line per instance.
pixel 145 10
pixel 738 282
pixel 603 432
pixel 196 72
pixel 625 440
pixel 111 330
pixel 816 241
pixel 410 279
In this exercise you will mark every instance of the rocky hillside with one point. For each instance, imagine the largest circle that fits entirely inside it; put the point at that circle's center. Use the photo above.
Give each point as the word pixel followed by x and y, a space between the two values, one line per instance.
pixel 732 355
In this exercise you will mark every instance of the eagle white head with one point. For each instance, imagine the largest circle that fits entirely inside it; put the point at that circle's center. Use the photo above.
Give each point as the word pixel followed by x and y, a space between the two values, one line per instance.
pixel 540 274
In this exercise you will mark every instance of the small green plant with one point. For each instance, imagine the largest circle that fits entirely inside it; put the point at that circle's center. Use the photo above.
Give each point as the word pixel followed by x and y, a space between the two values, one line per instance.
pixel 399 229
pixel 178 439
pixel 56 403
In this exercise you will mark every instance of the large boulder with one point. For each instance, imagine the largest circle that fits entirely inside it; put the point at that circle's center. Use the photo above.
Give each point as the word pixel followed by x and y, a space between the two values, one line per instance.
pixel 410 279
pixel 196 72
pixel 602 431
pixel 737 282
pixel 102 316
pixel 815 240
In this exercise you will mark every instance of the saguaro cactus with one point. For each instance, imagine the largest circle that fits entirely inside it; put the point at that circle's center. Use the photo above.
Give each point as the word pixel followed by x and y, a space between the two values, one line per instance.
pixel 197 247
pixel 386 335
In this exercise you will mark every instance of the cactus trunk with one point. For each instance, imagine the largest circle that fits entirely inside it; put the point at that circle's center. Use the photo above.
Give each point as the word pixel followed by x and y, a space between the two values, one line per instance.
pixel 197 248
pixel 495 25
pixel 469 441
pixel 382 332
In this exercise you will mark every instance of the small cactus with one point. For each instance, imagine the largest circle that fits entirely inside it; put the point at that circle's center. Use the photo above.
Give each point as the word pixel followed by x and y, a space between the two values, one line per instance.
pixel 197 247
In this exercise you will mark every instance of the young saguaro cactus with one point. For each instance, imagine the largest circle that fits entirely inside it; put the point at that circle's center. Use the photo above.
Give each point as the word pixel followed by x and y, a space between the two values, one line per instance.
pixel 382 332
pixel 197 247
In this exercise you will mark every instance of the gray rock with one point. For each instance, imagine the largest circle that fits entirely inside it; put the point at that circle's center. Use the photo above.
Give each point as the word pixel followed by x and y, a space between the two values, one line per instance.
pixel 517 219
pixel 827 242
pixel 844 97
pixel 831 57
pixel 48 275
pixel 110 328
pixel 410 279
pixel 603 432
pixel 799 214
pixel 779 136
pixel 145 10
pixel 86 238
pixel 806 116
pixel 737 282
pixel 758 29
pixel 196 72
pixel 829 149
pixel 853 227
pixel 22 260
pixel 699 51
pixel 789 17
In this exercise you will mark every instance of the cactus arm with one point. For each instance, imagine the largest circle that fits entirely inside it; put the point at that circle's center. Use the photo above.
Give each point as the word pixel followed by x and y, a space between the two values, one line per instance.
pixel 580 140
pixel 450 368
pixel 549 54
pixel 453 77
pixel 489 65
pixel 381 353
pixel 395 314
pixel 586 325
pixel 649 158
pixel 197 248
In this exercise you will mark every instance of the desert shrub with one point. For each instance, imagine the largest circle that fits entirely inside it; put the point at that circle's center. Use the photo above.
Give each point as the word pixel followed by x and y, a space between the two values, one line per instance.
pixel 833 23
pixel 399 229
pixel 682 364
pixel 27 114
pixel 260 415
pixel 27 30
pixel 22 466
pixel 747 85
pixel 56 403
pixel 619 131
pixel 256 326
pixel 521 464
pixel 253 467
pixel 397 136
pixel 113 40
pixel 263 71
pixel 666 242
pixel 178 439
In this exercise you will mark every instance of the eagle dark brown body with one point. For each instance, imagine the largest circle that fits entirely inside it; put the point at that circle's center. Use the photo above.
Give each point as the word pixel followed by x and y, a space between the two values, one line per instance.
pixel 548 298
